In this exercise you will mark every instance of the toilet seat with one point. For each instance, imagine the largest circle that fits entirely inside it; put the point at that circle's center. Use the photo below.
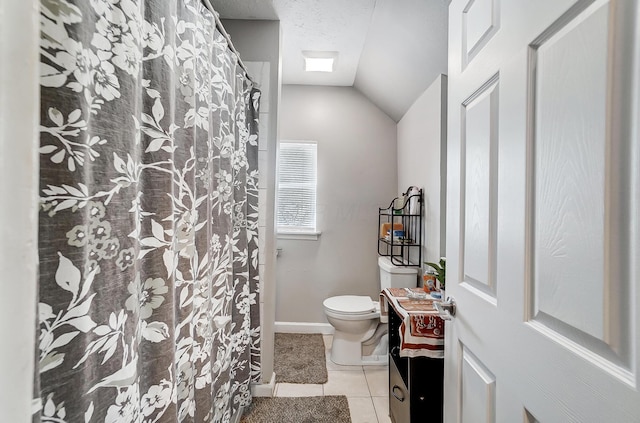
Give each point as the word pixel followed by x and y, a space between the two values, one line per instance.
pixel 352 307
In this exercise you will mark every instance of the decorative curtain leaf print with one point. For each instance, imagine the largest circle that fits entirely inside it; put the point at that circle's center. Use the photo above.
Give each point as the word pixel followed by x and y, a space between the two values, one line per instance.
pixel 148 291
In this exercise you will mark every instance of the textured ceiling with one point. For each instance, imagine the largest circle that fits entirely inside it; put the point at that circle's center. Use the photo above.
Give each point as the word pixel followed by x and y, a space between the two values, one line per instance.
pixel 406 50
pixel 326 25
pixel 389 50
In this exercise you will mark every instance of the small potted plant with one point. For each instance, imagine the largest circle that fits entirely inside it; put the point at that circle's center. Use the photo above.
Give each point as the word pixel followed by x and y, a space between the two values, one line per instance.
pixel 440 269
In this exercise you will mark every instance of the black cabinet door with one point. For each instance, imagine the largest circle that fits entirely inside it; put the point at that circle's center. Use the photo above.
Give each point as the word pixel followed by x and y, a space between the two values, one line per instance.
pixel 426 377
pixel 415 384
pixel 399 398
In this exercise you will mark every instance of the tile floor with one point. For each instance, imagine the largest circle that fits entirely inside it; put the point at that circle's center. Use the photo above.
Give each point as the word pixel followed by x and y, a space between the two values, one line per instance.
pixel 366 389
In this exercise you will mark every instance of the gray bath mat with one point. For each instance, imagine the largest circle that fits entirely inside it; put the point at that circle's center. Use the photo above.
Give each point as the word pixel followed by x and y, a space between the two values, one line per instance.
pixel 331 409
pixel 299 358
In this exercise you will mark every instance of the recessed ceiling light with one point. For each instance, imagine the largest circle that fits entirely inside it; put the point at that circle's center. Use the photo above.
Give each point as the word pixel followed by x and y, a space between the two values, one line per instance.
pixel 318 64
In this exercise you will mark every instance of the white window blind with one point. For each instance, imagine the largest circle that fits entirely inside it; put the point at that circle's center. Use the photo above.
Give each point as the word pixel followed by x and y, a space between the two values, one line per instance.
pixel 297 177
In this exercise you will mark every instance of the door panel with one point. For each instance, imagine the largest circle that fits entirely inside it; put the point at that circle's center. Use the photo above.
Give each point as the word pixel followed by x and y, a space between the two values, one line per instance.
pixel 479 173
pixel 543 207
pixel 573 296
pixel 477 390
pixel 569 73
pixel 480 21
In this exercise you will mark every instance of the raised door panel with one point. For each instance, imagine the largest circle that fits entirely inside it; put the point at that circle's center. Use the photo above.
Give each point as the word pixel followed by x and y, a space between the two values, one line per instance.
pixel 572 291
pixel 479 168
pixel 480 21
pixel 477 394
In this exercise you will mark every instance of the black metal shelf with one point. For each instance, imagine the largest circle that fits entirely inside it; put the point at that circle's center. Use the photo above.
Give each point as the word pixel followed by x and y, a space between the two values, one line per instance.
pixel 408 216
pixel 397 214
pixel 399 242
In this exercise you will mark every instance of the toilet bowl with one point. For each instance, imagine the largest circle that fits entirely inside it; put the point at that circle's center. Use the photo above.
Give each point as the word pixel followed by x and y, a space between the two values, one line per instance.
pixel 356 320
pixel 360 338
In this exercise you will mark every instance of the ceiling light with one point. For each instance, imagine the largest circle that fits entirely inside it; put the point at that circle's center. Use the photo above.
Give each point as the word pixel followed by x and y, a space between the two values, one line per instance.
pixel 318 64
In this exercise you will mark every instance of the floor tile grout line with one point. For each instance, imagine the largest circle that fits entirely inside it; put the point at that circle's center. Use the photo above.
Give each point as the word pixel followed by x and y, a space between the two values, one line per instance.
pixel 375 410
pixel 364 372
pixel 371 395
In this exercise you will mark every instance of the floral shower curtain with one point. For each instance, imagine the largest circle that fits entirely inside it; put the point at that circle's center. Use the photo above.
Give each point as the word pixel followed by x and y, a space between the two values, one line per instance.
pixel 148 306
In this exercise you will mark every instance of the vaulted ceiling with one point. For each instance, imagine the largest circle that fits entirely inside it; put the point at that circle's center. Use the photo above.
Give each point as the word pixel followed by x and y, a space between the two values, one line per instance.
pixel 389 50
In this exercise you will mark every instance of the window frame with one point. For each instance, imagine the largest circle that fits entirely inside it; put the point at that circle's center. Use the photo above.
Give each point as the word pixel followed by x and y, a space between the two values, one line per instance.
pixel 297 232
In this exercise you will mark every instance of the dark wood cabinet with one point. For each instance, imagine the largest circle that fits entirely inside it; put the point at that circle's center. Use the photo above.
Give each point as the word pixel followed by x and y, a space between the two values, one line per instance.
pixel 415 384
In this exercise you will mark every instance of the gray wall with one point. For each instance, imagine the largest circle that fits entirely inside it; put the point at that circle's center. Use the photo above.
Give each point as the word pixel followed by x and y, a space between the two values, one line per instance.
pixel 422 161
pixel 258 43
pixel 356 174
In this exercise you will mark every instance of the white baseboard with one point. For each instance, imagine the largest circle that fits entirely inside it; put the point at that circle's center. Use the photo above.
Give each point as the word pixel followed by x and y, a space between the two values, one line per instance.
pixel 300 327
pixel 264 389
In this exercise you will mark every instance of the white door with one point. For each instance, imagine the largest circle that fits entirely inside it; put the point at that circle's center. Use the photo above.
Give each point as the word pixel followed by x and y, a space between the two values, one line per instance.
pixel 543 212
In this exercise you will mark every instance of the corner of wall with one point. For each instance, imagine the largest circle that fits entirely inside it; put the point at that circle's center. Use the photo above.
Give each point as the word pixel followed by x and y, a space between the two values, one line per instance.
pixel 265 389
pixel 258 43
pixel 421 134
pixel 444 89
pixel 19 180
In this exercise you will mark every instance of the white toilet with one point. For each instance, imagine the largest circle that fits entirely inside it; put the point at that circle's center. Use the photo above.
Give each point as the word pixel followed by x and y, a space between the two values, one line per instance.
pixel 360 338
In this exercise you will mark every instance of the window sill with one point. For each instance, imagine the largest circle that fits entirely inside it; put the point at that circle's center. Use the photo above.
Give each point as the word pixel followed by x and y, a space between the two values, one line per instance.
pixel 302 236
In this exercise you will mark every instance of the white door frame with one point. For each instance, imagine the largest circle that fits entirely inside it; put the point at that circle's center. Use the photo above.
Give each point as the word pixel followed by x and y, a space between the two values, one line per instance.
pixel 19 170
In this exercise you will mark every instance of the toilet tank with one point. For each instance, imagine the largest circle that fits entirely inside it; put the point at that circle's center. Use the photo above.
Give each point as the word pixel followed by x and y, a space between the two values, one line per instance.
pixel 392 276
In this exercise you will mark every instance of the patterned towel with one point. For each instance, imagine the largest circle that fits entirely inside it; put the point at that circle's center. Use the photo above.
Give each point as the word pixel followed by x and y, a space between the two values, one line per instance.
pixel 421 330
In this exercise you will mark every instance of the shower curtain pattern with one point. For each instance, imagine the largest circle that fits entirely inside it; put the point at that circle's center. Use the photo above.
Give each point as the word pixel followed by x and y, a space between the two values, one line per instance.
pixel 148 244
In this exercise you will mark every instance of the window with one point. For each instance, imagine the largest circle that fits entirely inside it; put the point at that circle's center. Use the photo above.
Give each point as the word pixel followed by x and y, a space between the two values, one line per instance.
pixel 296 197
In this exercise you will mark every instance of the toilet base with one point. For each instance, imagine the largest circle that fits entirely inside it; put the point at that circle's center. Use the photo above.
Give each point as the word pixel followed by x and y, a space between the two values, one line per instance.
pixel 366 360
pixel 346 350
pixel 375 360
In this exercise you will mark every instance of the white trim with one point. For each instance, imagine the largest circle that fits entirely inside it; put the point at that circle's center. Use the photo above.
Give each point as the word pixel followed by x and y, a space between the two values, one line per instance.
pixel 288 229
pixel 19 173
pixel 264 389
pixel 304 327
pixel 299 235
pixel 298 142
